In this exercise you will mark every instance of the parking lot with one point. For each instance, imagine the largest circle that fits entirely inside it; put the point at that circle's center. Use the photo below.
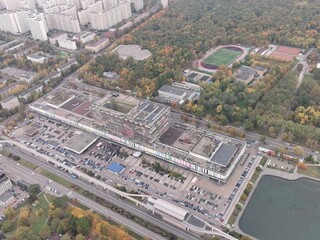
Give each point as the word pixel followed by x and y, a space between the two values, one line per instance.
pixel 143 174
pixel 281 164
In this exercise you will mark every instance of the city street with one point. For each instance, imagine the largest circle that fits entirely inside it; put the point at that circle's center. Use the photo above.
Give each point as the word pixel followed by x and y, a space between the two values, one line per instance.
pixel 123 204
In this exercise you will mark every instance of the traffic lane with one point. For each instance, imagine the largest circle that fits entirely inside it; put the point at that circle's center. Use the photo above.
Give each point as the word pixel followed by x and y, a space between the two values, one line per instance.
pixel 89 187
pixel 30 176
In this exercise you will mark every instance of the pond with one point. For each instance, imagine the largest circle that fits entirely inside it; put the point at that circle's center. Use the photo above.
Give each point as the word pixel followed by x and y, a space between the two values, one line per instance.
pixel 283 210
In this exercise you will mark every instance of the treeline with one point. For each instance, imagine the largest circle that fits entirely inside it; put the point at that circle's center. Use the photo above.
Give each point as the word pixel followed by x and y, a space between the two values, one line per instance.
pixel 142 77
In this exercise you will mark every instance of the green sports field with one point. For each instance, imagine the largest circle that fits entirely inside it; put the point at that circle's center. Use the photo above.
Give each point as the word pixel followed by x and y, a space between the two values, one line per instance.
pixel 222 56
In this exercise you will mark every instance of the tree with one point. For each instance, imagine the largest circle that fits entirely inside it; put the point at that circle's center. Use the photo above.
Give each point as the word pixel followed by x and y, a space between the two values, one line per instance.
pixel 9 213
pixel 7 226
pixel 54 224
pixel 282 150
pixel 84 225
pixel 80 237
pixel 60 202
pixel 66 237
pixel 45 231
pixel 309 158
pixel 23 222
pixel 25 233
pixel 238 206
pixel 34 189
pixel 32 198
pixel 302 166
pixel 262 139
pixel 316 74
pixel 298 151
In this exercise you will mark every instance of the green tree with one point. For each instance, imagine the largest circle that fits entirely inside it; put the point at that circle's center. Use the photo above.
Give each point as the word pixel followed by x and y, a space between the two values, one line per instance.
pixel 262 139
pixel 7 226
pixel 84 225
pixel 66 236
pixel 45 231
pixel 309 158
pixel 34 189
pixel 316 74
pixel 9 213
pixel 54 224
pixel 80 237
pixel 60 202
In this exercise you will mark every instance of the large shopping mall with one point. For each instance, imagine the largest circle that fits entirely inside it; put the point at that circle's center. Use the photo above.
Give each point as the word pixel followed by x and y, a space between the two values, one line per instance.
pixel 145 126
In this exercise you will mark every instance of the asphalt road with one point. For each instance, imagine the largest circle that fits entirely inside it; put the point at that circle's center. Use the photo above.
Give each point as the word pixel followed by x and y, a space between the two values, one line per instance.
pixel 30 176
pixel 123 204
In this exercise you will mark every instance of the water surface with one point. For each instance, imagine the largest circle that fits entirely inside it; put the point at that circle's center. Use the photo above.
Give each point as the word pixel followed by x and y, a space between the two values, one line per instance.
pixel 283 210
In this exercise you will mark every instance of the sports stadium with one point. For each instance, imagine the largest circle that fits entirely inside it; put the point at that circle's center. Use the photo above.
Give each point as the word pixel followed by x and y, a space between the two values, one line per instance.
pixel 222 55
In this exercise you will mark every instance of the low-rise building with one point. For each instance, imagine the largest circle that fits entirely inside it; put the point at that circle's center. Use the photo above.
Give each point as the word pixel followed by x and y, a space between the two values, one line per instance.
pixel 26 94
pixel 6 199
pixel 51 76
pixel 260 70
pixel 98 45
pixel 10 103
pixel 5 92
pixel 84 37
pixel 53 39
pixel 19 74
pixel 111 75
pixel 245 74
pixel 23 52
pixel 67 65
pixel 180 92
pixel 134 51
pixel 5 183
pixel 9 44
pixel 68 44
pixel 36 58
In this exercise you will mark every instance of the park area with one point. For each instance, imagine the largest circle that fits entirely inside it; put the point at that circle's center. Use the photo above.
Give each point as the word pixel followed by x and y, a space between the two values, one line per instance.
pixel 34 215
pixel 223 56
pixel 312 171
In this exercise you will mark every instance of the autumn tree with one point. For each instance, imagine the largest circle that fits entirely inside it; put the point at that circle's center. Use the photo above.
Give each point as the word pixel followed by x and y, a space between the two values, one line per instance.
pixel 298 151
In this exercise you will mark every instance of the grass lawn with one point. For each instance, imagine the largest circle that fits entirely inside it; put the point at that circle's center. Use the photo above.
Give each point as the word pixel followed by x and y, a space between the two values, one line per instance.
pixel 37 222
pixel 312 171
pixel 222 56
pixel 27 164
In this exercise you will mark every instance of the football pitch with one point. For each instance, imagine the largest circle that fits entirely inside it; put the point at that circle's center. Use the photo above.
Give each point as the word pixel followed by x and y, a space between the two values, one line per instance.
pixel 222 56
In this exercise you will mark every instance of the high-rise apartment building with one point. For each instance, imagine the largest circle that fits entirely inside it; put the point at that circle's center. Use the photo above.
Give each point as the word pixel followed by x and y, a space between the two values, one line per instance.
pixel 38 26
pixel 11 5
pixel 138 5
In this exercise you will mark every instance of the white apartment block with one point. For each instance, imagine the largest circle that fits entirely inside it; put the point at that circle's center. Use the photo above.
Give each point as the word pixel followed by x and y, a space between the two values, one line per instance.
pixel 63 22
pixel 164 3
pixel 5 185
pixel 11 5
pixel 21 17
pixel 138 4
pixel 38 26
pixel 68 44
pixel 8 23
pixel 108 4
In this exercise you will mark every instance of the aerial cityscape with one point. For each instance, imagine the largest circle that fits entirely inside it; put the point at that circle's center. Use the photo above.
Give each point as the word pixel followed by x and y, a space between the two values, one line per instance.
pixel 159 119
